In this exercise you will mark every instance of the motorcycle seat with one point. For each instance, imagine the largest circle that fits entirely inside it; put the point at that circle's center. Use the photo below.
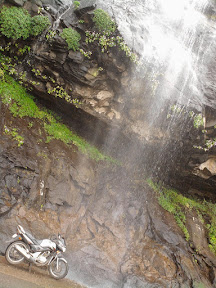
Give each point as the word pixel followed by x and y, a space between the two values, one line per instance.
pixel 35 241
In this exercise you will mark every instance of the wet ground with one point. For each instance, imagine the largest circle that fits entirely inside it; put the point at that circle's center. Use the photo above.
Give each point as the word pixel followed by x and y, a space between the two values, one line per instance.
pixel 20 277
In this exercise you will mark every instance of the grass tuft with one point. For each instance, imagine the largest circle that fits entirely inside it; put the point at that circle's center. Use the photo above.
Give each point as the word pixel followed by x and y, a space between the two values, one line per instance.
pixel 178 205
pixel 21 104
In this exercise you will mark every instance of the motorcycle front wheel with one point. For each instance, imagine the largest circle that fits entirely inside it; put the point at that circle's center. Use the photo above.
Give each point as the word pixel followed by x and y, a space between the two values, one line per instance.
pixel 12 255
pixel 58 270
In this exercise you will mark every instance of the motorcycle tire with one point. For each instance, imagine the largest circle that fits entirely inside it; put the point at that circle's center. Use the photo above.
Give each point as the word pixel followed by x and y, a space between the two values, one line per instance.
pixel 12 255
pixel 61 271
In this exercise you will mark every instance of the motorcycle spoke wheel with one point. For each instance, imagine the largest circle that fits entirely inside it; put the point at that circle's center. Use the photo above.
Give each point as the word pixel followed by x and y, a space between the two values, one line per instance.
pixel 58 271
pixel 12 255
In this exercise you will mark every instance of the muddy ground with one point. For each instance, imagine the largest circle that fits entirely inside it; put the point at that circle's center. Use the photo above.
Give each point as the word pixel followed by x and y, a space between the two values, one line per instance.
pixel 20 277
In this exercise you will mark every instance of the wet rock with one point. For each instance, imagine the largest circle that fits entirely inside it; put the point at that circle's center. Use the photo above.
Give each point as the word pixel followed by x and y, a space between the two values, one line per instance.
pixel 69 18
pixel 101 110
pixel 103 95
pixel 53 3
pixel 37 2
pixel 133 281
pixel 32 7
pixel 208 168
pixel 114 234
pixel 77 57
pixel 85 6
pixel 17 2
pixel 117 234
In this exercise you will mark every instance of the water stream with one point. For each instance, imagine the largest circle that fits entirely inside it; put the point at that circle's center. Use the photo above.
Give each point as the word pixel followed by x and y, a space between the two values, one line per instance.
pixel 175 40
pixel 170 36
pixel 62 11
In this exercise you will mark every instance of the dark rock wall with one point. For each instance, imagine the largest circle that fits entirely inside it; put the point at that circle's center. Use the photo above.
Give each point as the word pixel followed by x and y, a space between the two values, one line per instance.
pixel 117 234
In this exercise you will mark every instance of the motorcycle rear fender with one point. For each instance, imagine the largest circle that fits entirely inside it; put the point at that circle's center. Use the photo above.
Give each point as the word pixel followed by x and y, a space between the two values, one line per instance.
pixel 15 237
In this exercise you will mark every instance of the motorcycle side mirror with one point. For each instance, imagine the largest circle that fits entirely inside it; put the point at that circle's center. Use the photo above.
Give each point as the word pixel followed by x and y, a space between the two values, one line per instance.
pixel 59 236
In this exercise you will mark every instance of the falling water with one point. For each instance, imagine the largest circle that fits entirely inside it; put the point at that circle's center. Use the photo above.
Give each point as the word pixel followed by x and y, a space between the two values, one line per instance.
pixel 169 35
pixel 171 38
pixel 61 12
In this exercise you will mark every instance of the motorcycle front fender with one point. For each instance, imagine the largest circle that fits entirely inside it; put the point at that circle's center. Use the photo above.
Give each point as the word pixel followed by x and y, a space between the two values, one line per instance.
pixel 63 259
pixel 58 258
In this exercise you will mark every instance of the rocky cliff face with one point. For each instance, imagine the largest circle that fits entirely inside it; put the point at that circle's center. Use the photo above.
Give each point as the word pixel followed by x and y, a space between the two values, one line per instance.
pixel 116 232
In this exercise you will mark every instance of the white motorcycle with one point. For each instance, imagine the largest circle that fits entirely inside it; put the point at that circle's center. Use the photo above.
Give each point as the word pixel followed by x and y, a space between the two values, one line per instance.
pixel 46 252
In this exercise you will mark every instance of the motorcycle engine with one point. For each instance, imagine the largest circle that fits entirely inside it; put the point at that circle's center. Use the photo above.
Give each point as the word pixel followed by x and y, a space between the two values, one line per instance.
pixel 43 257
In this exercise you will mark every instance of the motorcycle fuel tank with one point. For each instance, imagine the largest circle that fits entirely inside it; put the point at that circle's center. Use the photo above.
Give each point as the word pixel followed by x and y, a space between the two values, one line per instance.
pixel 48 243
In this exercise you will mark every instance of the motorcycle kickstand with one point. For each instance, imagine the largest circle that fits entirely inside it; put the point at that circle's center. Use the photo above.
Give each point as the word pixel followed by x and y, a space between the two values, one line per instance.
pixel 30 267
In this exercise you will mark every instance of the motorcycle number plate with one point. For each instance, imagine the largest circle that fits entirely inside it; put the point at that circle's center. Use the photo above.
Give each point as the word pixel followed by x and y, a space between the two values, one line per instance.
pixel 14 236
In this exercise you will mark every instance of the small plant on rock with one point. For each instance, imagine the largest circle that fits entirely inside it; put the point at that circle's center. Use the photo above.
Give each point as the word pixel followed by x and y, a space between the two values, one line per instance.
pixel 103 21
pixel 179 205
pixel 87 54
pixel 21 104
pixel 38 24
pixel 76 4
pixel 50 35
pixel 198 121
pixel 1 74
pixel 72 37
pixel 14 134
pixel 17 23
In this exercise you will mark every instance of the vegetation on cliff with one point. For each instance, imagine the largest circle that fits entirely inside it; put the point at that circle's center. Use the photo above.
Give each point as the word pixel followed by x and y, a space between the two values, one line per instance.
pixel 179 206
pixel 17 23
pixel 21 104
pixel 103 22
pixel 104 33
pixel 76 4
pixel 72 37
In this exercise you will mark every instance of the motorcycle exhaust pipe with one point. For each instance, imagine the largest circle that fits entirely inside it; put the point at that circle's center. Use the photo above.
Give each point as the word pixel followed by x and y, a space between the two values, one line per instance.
pixel 23 252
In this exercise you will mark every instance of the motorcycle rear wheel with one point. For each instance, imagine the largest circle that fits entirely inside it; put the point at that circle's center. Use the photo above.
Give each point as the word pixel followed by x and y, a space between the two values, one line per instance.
pixel 61 271
pixel 12 255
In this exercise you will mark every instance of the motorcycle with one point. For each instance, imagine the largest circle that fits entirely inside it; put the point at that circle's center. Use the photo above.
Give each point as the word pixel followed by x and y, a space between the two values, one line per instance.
pixel 46 252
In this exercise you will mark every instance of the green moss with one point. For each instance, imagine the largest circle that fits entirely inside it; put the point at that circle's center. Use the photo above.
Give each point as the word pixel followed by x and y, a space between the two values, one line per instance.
pixel 103 21
pixel 14 134
pixel 108 40
pixel 199 285
pixel 21 104
pixel 38 24
pixel 76 4
pixel 72 37
pixel 42 155
pixel 178 205
pixel 153 185
pixel 198 121
pixel 17 23
pixel 1 74
pixel 60 92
